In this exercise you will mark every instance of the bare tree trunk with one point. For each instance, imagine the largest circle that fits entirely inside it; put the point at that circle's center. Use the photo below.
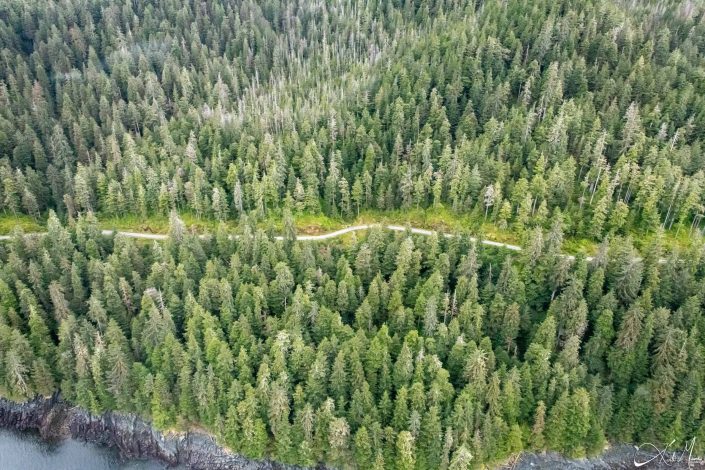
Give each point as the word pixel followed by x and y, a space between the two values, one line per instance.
pixel 597 181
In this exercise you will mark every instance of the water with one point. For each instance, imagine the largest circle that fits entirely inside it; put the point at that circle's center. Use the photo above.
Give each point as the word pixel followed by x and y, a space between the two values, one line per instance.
pixel 27 451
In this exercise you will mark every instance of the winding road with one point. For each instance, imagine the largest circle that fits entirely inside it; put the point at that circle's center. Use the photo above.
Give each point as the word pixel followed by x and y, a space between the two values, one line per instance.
pixel 325 236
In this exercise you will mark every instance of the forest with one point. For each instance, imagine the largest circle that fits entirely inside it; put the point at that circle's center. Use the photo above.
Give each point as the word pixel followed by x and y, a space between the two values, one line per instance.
pixel 550 120
pixel 508 111
pixel 381 351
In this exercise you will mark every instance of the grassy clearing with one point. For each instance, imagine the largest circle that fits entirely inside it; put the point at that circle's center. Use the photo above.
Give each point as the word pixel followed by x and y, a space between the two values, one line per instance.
pixel 8 223
pixel 158 223
pixel 133 223
pixel 307 224
pixel 672 240
pixel 580 245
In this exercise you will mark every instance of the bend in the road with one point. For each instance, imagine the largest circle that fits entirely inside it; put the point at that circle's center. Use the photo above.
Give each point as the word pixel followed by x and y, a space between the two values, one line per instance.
pixel 323 236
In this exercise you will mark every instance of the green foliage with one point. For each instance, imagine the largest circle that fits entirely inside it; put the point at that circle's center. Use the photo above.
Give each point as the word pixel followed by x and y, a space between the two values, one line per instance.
pixel 477 112
pixel 526 122
pixel 277 366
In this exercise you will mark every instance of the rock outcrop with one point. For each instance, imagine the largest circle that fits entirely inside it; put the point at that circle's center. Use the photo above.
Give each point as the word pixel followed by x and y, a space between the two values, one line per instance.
pixel 618 457
pixel 131 436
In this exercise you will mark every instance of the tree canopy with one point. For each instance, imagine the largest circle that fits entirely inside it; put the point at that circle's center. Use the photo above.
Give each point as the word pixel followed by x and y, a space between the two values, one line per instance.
pixel 508 111
pixel 382 350
pixel 550 119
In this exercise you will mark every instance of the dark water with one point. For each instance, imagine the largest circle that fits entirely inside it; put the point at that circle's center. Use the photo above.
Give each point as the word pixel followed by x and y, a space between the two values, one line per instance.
pixel 27 451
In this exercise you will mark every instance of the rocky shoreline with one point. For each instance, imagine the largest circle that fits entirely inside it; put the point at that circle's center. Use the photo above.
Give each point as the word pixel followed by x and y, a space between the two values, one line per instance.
pixel 133 437
pixel 619 457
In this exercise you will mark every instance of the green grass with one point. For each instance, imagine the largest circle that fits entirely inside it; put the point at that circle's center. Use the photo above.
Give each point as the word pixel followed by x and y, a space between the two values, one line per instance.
pixel 157 223
pixel 672 240
pixel 309 224
pixel 580 245
pixel 133 223
pixel 8 223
